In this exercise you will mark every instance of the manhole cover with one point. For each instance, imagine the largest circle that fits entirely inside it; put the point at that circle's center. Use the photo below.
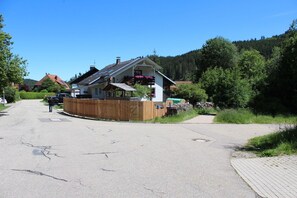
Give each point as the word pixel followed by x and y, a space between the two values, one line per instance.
pixel 54 120
pixel 200 140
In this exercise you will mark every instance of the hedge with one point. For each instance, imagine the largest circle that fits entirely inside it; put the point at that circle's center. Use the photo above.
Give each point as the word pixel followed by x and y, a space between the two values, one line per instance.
pixel 35 95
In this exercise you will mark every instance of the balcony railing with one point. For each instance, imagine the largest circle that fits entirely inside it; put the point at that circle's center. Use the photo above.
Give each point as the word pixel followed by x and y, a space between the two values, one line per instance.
pixel 140 79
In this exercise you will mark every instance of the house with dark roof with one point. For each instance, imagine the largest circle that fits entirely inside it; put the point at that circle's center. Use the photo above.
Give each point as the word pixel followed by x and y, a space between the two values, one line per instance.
pixel 55 78
pixel 141 70
pixel 81 90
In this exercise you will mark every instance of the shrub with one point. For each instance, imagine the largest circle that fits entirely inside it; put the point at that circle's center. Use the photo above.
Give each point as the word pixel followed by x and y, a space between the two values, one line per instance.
pixel 11 94
pixel 35 95
pixel 191 92
pixel 240 116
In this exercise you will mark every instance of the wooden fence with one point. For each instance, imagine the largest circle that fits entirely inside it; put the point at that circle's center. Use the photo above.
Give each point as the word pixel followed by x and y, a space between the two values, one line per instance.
pixel 114 109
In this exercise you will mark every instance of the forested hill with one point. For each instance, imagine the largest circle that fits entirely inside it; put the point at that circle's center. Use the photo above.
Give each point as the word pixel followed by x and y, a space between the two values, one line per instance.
pixel 264 45
pixel 30 82
pixel 183 67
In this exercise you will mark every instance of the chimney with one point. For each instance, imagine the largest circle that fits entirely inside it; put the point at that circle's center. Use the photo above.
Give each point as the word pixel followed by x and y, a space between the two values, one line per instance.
pixel 118 60
pixel 92 67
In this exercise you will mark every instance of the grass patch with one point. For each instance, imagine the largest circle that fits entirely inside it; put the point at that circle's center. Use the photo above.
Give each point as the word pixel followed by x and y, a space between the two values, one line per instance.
pixel 177 118
pixel 206 111
pixel 245 116
pixel 274 144
pixel 2 107
pixel 59 106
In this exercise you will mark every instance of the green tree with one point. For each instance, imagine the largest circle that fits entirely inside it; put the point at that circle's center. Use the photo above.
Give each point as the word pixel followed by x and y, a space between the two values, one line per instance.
pixel 50 86
pixel 280 93
pixel 217 52
pixel 12 67
pixel 226 88
pixel 286 81
pixel 253 68
pixel 191 92
pixel 142 91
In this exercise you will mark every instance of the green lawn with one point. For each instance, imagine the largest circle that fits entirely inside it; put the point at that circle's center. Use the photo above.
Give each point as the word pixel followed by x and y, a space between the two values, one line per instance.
pixel 177 118
pixel 2 107
pixel 278 143
pixel 245 116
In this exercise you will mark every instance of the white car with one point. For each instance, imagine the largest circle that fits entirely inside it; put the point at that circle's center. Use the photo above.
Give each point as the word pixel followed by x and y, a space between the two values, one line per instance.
pixel 3 101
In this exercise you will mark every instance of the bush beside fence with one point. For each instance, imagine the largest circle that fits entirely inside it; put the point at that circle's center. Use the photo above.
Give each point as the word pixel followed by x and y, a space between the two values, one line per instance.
pixel 35 95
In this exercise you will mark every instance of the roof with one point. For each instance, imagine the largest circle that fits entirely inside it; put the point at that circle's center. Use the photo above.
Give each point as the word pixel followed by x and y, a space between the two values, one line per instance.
pixel 113 69
pixel 85 75
pixel 171 81
pixel 54 78
pixel 121 86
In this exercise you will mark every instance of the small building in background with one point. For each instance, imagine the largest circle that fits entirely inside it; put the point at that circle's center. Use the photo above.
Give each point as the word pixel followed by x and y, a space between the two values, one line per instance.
pixel 55 78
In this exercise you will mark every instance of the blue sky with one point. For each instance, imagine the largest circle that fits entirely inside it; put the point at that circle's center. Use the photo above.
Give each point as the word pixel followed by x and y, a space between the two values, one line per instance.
pixel 65 37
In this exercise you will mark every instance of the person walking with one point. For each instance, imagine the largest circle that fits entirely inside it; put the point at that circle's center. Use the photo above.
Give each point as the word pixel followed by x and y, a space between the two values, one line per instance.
pixel 51 103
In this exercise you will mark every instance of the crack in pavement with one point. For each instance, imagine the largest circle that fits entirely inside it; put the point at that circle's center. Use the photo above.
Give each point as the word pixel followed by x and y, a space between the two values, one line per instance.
pixel 114 141
pixel 100 153
pixel 44 150
pixel 91 129
pixel 153 191
pixel 108 170
pixel 40 174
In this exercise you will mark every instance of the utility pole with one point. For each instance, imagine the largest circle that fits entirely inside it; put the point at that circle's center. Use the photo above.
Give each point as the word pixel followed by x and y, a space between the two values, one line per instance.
pixel 3 100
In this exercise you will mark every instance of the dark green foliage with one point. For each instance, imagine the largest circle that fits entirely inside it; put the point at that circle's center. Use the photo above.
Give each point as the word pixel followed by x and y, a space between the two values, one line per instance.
pixel 281 86
pixel 218 52
pixel 30 83
pixel 264 46
pixel 279 143
pixel 191 92
pixel 226 88
pixel 50 86
pixel 286 82
pixel 180 67
pixel 11 94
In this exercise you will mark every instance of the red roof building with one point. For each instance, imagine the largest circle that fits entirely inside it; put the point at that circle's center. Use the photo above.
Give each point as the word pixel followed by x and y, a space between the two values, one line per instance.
pixel 54 78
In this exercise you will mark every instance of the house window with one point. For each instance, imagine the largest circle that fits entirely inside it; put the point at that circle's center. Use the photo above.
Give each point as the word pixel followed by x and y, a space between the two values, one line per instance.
pixel 96 91
pixel 137 72
pixel 100 91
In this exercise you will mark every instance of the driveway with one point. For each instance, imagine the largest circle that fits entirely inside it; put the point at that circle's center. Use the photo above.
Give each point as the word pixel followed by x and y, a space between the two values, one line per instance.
pixel 52 155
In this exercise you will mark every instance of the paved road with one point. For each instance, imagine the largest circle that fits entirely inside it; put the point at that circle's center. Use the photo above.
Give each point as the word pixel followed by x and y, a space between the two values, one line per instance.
pixel 52 155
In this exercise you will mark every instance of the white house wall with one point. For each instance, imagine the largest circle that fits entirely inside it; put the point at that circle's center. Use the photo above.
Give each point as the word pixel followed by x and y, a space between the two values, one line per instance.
pixel 158 88
pixel 97 92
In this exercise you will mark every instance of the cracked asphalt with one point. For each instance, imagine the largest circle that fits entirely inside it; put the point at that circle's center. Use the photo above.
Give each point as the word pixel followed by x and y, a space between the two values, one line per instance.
pixel 53 155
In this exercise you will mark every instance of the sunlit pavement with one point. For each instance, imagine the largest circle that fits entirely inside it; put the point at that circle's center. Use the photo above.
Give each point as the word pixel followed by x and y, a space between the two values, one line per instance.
pixel 47 154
